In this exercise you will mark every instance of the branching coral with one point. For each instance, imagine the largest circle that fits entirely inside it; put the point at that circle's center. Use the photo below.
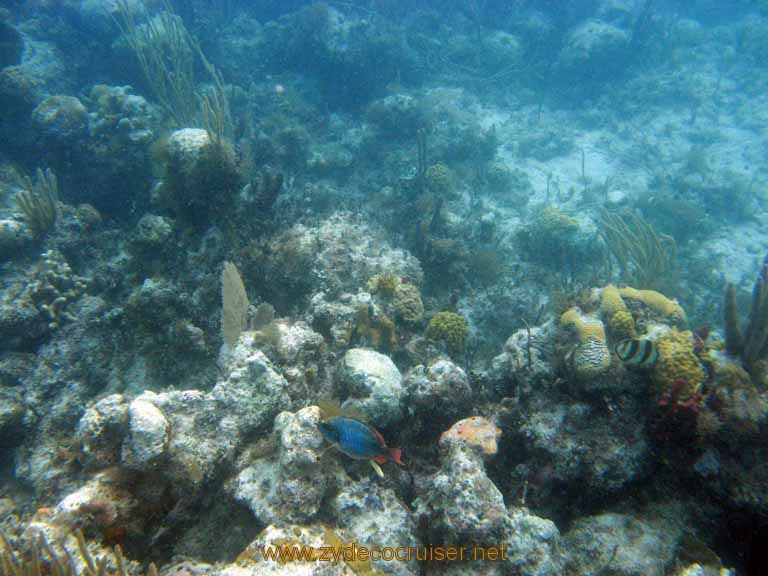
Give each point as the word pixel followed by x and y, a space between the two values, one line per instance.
pixel 54 287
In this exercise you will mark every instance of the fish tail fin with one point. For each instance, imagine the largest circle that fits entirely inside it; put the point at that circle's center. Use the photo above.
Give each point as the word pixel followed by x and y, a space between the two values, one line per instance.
pixel 396 454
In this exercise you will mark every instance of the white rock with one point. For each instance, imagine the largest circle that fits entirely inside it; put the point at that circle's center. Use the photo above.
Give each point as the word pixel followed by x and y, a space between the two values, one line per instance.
pixel 148 435
pixel 373 384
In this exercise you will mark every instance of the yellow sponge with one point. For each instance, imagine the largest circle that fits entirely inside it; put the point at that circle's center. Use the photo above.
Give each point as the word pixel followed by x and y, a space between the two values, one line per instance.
pixel 611 301
pixel 656 302
pixel 677 362
pixel 586 328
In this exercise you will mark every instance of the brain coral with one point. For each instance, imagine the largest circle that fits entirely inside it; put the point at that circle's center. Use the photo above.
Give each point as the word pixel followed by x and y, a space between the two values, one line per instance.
pixel 591 356
pixel 407 302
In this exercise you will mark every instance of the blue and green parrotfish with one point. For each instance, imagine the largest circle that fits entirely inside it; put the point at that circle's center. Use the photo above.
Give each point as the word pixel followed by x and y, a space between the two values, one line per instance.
pixel 358 440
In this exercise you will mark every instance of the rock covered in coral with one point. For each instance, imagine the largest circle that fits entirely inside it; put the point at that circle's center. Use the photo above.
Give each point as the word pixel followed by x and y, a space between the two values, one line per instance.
pixel 625 544
pixel 339 254
pixel 101 431
pixel 187 435
pixel 398 115
pixel 528 355
pixel 40 302
pixel 463 504
pixel 373 385
pixel 594 45
pixel 501 50
pixel 14 238
pixel 314 537
pixel 440 389
pixel 62 120
pixel 100 504
pixel 299 352
pixel 119 118
pixel 148 436
pixel 586 446
pixel 201 178
pixel 11 415
pixel 288 484
pixel 152 233
pixel 533 544
pixel 374 516
pixel 465 507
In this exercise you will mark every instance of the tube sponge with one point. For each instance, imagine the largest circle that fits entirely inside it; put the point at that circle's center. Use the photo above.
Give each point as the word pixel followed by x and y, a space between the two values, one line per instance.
pixel 656 302
pixel 585 327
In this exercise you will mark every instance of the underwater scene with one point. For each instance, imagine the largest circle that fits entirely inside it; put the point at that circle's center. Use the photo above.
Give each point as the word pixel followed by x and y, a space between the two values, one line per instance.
pixel 383 287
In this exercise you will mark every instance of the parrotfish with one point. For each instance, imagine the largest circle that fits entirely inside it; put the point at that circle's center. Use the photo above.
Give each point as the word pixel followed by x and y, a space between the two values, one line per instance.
pixel 637 352
pixel 358 440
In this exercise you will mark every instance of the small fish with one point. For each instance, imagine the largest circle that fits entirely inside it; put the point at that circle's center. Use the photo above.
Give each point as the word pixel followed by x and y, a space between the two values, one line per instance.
pixel 358 440
pixel 637 352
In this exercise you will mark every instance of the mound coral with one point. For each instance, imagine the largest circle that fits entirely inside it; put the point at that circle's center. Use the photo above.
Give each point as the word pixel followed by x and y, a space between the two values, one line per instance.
pixel 449 328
